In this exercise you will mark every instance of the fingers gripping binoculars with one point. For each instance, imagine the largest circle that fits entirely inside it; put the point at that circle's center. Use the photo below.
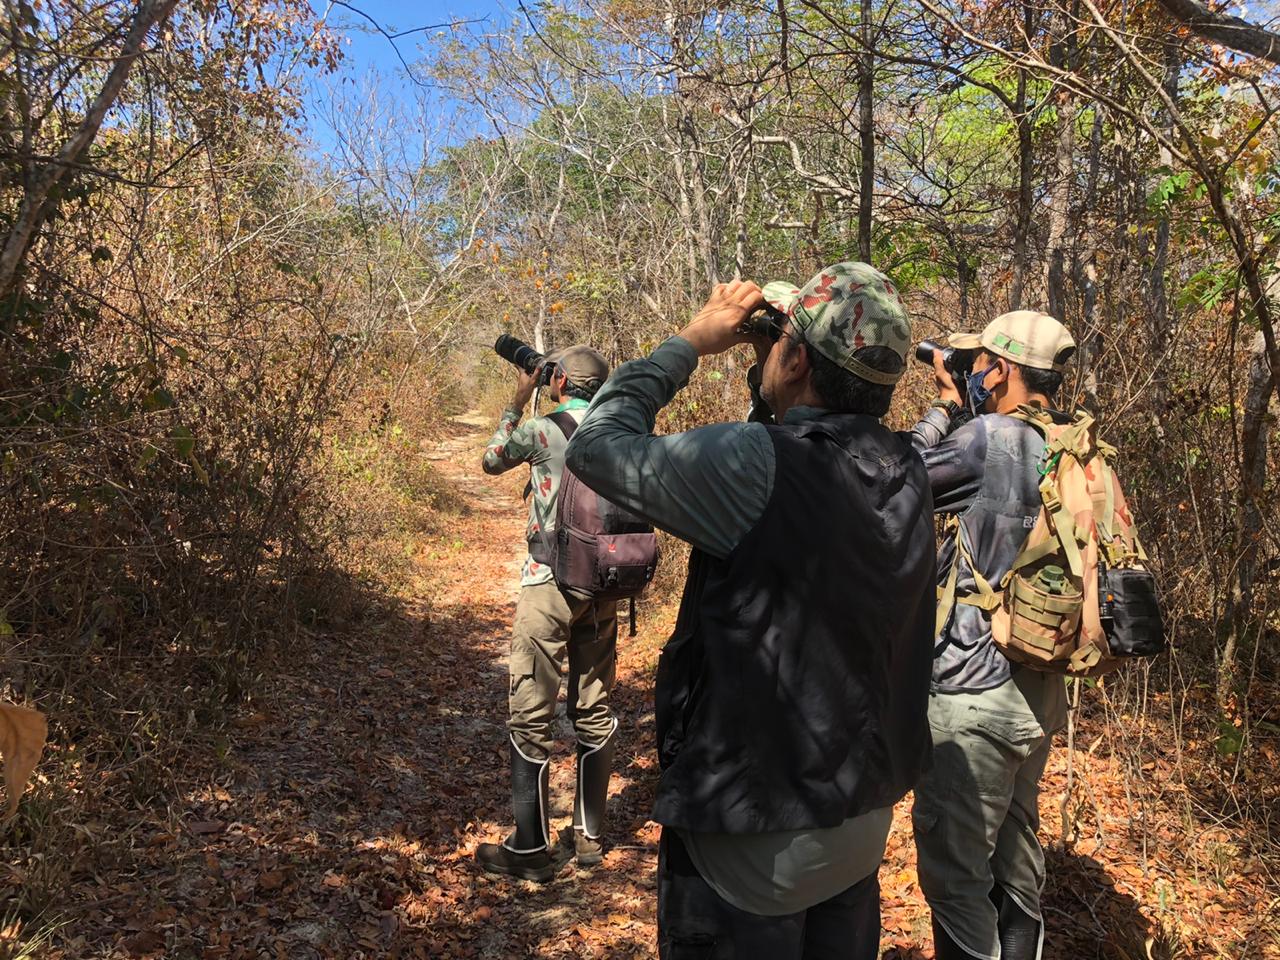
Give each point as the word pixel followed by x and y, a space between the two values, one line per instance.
pixel 516 351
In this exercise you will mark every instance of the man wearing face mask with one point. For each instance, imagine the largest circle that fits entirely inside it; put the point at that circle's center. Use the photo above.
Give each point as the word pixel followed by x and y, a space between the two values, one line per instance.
pixel 976 810
pixel 790 698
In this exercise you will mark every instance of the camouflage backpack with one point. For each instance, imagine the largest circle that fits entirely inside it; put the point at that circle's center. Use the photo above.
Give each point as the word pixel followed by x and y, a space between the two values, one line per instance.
pixel 1078 599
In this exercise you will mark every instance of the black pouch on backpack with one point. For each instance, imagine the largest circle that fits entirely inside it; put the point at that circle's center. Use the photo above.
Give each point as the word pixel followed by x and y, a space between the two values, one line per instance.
pixel 1130 612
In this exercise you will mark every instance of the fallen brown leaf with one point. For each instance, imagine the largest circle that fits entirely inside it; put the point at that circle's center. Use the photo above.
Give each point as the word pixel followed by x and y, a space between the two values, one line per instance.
pixel 271 880
pixel 22 736
pixel 203 827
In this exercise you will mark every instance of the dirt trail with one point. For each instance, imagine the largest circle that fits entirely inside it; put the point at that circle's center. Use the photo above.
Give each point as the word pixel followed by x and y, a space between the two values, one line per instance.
pixel 342 818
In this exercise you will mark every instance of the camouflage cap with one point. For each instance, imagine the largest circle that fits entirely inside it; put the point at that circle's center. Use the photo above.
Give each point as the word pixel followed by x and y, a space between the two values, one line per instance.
pixel 781 295
pixel 844 308
pixel 1027 337
pixel 584 366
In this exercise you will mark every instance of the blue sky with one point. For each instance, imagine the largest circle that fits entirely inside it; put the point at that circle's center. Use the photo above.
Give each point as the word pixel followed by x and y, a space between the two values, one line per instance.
pixel 368 51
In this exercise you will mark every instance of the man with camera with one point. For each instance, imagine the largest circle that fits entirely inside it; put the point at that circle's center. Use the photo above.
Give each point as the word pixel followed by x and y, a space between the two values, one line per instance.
pixel 976 811
pixel 554 629
pixel 791 696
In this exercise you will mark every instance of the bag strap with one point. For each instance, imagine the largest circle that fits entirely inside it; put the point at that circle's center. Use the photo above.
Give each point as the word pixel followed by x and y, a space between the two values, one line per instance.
pixel 567 495
pixel 1070 441
pixel 1033 416
pixel 946 597
pixel 984 597
pixel 565 422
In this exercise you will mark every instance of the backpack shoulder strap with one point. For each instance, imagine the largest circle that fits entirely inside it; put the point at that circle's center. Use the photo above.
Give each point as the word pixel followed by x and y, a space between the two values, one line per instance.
pixel 983 595
pixel 565 422
pixel 1036 417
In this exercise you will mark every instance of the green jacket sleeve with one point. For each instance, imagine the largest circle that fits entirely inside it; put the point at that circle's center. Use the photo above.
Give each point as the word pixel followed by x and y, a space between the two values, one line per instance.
pixel 707 486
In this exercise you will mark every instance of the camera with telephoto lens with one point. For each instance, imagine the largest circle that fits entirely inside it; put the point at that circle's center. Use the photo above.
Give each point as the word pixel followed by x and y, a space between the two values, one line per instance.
pixel 516 351
pixel 958 363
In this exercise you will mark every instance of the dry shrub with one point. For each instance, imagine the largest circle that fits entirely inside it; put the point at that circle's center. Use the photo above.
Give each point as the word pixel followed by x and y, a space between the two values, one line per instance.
pixel 384 488
pixel 164 520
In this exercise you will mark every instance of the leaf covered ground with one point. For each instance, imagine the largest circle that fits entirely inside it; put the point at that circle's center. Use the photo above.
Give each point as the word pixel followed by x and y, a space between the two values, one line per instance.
pixel 341 817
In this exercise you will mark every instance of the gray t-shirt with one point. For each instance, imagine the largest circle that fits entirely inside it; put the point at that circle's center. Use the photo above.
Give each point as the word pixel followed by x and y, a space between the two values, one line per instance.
pixel 787 871
pixel 986 472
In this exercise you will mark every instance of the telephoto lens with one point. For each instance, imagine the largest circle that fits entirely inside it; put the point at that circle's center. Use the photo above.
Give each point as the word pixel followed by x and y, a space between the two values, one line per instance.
pixel 514 350
pixel 925 350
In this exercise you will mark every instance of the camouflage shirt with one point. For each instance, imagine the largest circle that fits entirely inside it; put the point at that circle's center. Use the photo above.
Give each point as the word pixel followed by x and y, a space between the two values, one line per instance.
pixel 986 473
pixel 539 443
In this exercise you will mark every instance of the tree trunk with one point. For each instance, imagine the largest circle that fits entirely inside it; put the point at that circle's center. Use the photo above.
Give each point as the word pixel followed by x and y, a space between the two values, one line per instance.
pixel 1085 275
pixel 1063 175
pixel 1026 158
pixel 1157 294
pixel 676 144
pixel 685 205
pixel 814 247
pixel 698 191
pixel 1254 437
pixel 867 174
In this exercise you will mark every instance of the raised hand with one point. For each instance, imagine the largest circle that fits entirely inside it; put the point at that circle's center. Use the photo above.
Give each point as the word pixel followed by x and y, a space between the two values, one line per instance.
pixel 717 326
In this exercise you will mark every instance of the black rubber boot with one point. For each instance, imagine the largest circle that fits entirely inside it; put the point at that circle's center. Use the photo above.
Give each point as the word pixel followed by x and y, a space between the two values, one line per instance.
pixel 1020 933
pixel 944 948
pixel 595 763
pixel 525 853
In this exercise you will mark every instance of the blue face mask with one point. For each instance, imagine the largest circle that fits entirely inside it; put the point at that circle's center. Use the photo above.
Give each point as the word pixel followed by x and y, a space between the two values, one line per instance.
pixel 978 394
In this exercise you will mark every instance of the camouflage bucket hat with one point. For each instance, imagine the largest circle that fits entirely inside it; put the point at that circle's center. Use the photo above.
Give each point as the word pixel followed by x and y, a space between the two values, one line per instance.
pixel 1027 337
pixel 585 367
pixel 844 308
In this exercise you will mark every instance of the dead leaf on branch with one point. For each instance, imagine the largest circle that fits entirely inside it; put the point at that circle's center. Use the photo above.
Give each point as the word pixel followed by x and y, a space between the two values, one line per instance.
pixel 22 737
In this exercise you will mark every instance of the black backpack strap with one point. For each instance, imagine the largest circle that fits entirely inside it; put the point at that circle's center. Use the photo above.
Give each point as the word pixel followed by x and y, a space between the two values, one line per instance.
pixel 565 422
pixel 567 425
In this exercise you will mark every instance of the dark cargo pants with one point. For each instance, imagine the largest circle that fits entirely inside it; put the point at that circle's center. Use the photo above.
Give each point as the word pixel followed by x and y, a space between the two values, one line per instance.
pixel 557 633
pixel 696 923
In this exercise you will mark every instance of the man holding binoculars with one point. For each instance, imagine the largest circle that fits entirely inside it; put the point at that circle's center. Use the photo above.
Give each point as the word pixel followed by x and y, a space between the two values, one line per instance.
pixel 553 627
pixel 791 697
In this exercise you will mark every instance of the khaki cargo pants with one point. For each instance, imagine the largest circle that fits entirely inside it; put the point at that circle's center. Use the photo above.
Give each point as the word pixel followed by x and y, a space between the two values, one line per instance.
pixel 553 631
pixel 976 810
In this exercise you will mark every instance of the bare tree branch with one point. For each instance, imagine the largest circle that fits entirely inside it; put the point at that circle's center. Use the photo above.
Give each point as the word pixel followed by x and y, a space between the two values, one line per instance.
pixel 36 204
pixel 1225 29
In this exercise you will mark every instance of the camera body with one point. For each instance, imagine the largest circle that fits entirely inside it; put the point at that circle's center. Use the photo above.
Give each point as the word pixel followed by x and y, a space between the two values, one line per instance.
pixel 516 351
pixel 958 363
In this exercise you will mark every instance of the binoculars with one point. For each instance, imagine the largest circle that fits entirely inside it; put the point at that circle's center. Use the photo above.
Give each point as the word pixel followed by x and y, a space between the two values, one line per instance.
pixel 956 362
pixel 768 321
